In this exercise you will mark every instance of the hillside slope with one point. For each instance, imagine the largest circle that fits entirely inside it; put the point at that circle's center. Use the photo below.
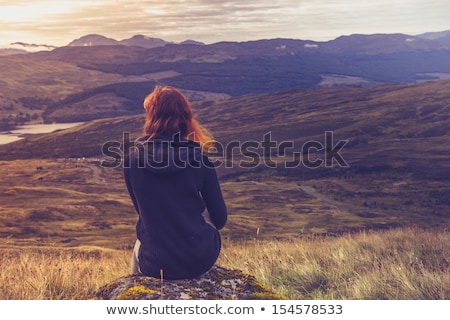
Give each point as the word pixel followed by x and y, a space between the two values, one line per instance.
pixel 393 140
pixel 405 118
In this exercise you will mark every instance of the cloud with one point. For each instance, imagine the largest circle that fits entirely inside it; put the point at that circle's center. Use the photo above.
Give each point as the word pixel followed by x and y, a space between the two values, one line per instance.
pixel 59 22
pixel 180 19
pixel 176 19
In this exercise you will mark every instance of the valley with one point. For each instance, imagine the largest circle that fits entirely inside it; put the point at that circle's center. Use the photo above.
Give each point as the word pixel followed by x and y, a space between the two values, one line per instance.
pixel 56 191
pixel 359 127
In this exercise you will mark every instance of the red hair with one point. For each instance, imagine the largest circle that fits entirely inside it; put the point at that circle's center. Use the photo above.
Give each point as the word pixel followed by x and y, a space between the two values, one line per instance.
pixel 169 113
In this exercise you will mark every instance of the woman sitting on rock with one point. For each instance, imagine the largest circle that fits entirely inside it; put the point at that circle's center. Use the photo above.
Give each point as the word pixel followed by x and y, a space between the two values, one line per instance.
pixel 175 191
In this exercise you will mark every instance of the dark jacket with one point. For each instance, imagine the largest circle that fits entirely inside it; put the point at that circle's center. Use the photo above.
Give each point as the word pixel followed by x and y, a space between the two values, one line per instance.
pixel 170 184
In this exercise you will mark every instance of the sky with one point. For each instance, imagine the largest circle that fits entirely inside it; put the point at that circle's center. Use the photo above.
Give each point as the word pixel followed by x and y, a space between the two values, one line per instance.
pixel 57 22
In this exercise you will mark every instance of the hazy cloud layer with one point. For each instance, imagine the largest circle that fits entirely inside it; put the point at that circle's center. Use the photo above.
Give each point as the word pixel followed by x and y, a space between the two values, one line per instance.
pixel 59 22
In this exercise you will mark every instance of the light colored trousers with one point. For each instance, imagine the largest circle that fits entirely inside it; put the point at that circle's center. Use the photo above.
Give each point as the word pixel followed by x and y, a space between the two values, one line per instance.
pixel 135 256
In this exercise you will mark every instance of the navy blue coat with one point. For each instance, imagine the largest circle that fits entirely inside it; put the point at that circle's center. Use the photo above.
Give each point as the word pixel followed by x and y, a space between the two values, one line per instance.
pixel 170 184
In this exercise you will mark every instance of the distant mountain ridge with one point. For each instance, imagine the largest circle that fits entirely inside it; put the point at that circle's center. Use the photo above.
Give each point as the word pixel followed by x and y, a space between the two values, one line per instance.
pixel 93 40
pixel 361 42
pixel 441 36
pixel 99 40
pixel 355 43
pixel 267 65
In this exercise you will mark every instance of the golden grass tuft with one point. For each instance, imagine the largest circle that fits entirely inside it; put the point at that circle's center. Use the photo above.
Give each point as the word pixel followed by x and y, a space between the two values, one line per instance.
pixel 401 264
pixel 56 274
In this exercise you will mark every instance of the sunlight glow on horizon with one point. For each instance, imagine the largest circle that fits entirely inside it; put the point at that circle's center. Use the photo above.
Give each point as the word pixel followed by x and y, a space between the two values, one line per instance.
pixel 57 23
pixel 35 11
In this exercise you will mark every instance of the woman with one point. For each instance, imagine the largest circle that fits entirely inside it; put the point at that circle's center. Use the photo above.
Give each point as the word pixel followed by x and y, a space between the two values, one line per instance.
pixel 175 191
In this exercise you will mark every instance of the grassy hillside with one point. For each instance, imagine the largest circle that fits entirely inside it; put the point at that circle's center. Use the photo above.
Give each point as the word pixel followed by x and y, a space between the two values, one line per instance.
pixel 23 77
pixel 112 100
pixel 397 116
pixel 394 133
pixel 405 264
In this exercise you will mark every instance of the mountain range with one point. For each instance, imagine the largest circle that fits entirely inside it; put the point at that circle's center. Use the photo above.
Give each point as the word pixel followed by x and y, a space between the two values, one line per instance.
pixel 95 76
pixel 140 40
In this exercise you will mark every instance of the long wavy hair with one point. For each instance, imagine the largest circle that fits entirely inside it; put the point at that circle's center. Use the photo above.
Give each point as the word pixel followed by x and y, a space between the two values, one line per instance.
pixel 169 113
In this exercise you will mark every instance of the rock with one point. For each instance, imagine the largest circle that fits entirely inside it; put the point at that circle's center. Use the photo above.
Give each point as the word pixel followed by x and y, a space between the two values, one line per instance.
pixel 216 284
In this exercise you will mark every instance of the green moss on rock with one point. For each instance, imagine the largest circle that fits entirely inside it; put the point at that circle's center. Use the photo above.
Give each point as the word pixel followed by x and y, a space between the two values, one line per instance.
pixel 136 293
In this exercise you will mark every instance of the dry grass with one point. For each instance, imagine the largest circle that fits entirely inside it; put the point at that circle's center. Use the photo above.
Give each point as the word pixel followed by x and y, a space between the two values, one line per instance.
pixel 393 265
pixel 57 274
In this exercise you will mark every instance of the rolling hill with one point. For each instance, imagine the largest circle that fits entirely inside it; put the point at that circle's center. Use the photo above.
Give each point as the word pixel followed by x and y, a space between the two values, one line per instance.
pixel 396 150
pixel 385 114
pixel 80 76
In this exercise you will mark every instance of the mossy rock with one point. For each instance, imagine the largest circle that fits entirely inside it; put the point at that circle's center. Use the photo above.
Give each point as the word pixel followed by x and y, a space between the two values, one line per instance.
pixel 216 284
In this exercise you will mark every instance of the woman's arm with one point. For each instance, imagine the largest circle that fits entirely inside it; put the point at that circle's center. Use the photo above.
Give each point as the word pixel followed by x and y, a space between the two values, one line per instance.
pixel 212 195
pixel 126 173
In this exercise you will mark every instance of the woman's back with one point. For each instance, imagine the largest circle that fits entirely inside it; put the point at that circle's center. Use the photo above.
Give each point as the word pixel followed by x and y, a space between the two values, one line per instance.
pixel 171 184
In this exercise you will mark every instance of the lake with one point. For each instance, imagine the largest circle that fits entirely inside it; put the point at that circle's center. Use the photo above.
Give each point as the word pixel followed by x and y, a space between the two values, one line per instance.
pixel 19 132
